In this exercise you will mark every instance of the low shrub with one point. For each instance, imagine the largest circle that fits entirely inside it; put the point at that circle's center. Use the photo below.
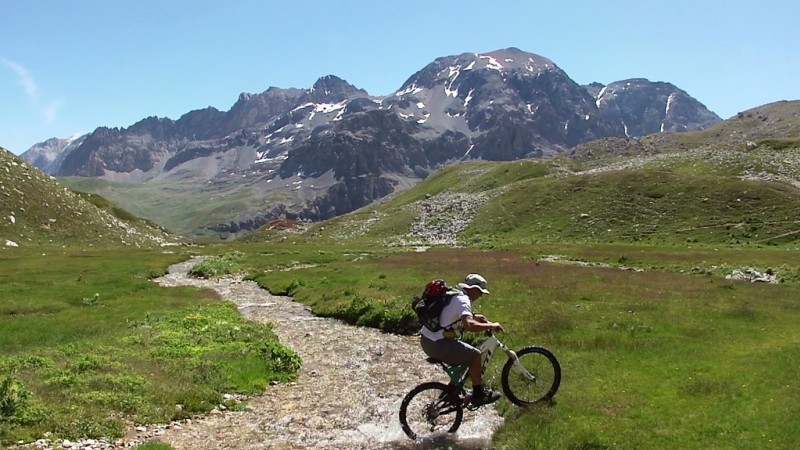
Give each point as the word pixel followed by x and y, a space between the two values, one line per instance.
pixel 216 266
pixel 15 406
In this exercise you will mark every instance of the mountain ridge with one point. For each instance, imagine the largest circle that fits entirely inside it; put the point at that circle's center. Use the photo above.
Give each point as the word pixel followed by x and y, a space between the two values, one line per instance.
pixel 333 147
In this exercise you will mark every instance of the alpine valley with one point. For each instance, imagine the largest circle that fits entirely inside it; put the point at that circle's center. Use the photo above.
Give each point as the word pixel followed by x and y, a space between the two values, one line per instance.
pixel 317 153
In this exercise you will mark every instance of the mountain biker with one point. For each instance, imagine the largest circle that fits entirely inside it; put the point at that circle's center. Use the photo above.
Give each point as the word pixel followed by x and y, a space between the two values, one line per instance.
pixel 457 317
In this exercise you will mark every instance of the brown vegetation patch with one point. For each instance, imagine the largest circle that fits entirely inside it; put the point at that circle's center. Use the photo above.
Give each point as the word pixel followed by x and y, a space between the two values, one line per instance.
pixel 282 224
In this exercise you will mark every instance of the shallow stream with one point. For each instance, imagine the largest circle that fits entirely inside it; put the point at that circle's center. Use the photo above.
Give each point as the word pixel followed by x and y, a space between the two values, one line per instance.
pixel 347 394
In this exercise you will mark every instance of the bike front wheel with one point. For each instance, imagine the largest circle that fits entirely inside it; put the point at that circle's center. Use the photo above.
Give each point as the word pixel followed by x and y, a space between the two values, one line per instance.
pixel 430 409
pixel 534 377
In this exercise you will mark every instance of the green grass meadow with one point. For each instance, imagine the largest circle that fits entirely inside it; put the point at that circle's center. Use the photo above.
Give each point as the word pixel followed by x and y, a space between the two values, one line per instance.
pixel 91 345
pixel 664 357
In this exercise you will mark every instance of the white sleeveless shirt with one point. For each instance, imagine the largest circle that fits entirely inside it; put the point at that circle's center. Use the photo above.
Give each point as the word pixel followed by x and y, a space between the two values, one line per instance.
pixel 458 307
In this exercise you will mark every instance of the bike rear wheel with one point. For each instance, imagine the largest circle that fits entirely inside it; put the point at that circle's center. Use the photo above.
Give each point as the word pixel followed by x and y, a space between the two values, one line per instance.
pixel 534 378
pixel 430 409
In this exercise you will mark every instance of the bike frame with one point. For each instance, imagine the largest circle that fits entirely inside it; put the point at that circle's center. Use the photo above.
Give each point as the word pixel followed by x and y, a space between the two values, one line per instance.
pixel 488 348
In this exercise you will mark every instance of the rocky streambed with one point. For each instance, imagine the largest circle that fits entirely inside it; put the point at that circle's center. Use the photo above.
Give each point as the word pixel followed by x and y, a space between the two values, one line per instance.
pixel 347 394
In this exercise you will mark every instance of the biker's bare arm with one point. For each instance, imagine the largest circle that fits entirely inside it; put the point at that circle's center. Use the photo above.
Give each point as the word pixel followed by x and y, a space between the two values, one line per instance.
pixel 479 323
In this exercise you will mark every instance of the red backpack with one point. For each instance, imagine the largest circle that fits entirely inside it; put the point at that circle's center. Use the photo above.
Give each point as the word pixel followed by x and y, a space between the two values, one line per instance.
pixel 430 304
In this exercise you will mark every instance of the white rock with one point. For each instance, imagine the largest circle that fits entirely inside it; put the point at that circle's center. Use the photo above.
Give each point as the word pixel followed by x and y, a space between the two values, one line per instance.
pixel 11 244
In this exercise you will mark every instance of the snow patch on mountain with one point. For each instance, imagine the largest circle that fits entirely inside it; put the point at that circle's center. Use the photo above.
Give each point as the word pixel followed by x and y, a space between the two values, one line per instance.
pixel 413 89
pixel 492 63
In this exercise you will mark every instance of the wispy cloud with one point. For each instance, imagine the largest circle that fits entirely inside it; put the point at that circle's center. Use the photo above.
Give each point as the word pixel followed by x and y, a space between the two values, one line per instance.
pixel 51 110
pixel 23 77
pixel 31 89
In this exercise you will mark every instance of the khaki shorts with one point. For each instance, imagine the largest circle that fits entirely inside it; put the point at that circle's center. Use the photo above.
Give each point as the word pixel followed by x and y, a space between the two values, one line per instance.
pixel 451 351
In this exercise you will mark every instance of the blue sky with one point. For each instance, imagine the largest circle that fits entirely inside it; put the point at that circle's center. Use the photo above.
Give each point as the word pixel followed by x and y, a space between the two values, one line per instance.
pixel 70 66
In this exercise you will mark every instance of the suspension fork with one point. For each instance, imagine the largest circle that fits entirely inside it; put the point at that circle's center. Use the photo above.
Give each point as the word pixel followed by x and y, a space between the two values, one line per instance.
pixel 512 355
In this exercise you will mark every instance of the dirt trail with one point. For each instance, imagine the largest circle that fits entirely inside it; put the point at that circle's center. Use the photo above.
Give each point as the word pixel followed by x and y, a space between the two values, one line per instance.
pixel 347 394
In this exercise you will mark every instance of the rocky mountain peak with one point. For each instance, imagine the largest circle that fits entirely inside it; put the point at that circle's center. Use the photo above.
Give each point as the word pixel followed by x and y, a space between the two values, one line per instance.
pixel 644 107
pixel 513 58
pixel 332 89
pixel 48 155
pixel 447 70
pixel 149 123
pixel 256 109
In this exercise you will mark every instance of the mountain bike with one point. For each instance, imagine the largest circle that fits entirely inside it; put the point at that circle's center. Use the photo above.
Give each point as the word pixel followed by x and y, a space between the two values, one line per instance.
pixel 531 375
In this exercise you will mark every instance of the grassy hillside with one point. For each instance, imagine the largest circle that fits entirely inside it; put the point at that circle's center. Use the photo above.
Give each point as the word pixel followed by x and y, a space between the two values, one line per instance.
pixel 737 183
pixel 771 122
pixel 540 202
pixel 653 206
pixel 183 207
pixel 36 210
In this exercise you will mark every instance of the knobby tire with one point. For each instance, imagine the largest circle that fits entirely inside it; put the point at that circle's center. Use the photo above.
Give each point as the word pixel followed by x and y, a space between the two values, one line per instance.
pixel 425 411
pixel 543 365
